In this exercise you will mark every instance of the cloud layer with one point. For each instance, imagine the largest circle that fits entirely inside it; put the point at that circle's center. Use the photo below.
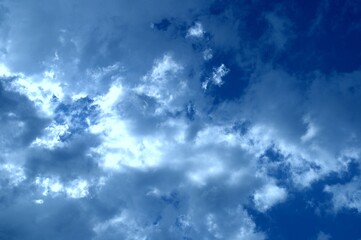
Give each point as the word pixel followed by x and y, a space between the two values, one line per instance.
pixel 120 120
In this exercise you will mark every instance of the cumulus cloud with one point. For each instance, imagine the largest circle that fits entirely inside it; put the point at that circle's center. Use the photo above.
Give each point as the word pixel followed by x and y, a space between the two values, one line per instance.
pixel 268 196
pixel 346 195
pixel 299 130
pixel 140 132
pixel 196 31
pixel 106 132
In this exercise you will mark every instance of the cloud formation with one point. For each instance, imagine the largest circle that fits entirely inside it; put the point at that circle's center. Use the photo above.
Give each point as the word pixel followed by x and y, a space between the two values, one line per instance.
pixel 120 120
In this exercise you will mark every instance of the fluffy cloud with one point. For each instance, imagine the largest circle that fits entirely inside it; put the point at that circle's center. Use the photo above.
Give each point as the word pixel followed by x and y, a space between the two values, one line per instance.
pixel 217 75
pixel 300 130
pixel 268 196
pixel 90 146
pixel 196 31
pixel 106 132
pixel 346 195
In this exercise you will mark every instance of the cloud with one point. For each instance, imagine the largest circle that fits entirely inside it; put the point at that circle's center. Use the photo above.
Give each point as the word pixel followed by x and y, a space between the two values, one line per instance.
pixel 279 29
pixel 301 130
pixel 217 75
pixel 56 219
pixel 106 132
pixel 268 196
pixel 95 143
pixel 196 31
pixel 18 112
pixel 345 195
pixel 166 206
pixel 323 236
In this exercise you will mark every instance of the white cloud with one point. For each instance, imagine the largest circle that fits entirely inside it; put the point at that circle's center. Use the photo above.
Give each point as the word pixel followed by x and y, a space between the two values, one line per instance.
pixel 309 143
pixel 39 201
pixel 122 225
pixel 217 75
pixel 108 101
pixel 139 167
pixel 196 31
pixel 14 174
pixel 163 83
pixel 120 147
pixel 346 195
pixel 4 71
pixel 41 90
pixel 142 167
pixel 268 196
pixel 51 136
pixel 77 188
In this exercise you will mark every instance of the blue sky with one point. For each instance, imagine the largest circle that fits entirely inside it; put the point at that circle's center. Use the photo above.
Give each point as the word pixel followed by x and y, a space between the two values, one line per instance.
pixel 180 119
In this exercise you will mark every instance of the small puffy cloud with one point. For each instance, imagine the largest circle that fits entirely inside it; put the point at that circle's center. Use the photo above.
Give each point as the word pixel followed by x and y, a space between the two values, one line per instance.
pixel 346 195
pixel 196 31
pixel 217 75
pixel 268 196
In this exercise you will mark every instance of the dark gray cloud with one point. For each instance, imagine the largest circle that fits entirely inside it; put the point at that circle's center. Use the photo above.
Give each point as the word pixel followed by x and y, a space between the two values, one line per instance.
pixel 21 123
pixel 160 204
pixel 67 162
pixel 57 219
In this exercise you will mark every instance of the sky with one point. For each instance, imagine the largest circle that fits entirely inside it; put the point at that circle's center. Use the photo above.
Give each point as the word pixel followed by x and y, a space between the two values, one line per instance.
pixel 189 120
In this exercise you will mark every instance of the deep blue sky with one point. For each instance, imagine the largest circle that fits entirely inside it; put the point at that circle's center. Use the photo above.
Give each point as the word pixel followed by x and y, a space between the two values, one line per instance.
pixel 180 119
